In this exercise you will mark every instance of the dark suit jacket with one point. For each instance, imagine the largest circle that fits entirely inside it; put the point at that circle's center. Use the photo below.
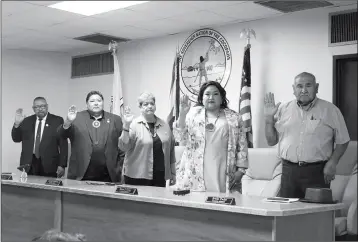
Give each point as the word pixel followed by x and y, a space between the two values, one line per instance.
pixel 81 145
pixel 53 149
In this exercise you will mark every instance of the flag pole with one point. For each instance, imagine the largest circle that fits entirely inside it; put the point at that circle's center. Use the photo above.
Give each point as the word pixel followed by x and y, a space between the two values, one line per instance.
pixel 112 46
pixel 247 33
pixel 117 92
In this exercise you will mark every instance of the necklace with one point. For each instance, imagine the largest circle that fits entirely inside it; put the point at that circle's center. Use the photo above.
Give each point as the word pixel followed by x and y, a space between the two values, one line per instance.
pixel 154 133
pixel 211 126
pixel 96 123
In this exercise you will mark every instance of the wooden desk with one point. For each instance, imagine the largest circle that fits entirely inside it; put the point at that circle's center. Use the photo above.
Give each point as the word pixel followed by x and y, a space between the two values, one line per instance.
pixel 30 208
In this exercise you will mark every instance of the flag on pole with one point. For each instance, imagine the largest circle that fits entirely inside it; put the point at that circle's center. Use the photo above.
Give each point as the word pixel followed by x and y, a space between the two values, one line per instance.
pixel 117 103
pixel 245 96
pixel 174 95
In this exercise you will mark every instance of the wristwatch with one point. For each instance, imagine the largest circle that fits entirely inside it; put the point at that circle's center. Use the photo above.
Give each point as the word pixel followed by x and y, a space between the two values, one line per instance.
pixel 242 170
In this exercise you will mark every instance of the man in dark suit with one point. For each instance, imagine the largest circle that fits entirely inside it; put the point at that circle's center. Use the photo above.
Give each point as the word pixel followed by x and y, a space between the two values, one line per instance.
pixel 42 148
pixel 94 137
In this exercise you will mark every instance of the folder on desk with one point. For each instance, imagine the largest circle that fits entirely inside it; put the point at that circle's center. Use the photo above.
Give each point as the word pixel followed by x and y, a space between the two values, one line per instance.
pixel 281 199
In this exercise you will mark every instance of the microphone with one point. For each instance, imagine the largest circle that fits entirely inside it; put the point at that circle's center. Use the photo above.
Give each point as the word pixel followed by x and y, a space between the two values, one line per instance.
pixel 22 167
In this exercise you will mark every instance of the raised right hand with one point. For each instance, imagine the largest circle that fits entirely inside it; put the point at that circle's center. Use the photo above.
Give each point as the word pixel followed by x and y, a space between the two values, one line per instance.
pixel 72 113
pixel 127 117
pixel 270 108
pixel 19 117
pixel 184 105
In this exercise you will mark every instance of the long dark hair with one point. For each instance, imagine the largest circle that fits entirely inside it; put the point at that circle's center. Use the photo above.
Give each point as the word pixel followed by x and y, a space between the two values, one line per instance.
pixel 222 91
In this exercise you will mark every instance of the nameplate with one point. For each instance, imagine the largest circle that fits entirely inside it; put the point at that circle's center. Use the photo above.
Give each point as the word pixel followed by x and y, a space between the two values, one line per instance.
pixel 54 182
pixel 221 200
pixel 181 192
pixel 127 190
pixel 6 176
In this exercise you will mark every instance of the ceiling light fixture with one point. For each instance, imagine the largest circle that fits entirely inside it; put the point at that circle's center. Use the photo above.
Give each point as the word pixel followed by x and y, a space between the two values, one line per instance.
pixel 89 8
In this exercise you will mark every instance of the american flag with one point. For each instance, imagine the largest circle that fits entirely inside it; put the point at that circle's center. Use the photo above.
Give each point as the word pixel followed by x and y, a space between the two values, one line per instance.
pixel 245 96
pixel 174 95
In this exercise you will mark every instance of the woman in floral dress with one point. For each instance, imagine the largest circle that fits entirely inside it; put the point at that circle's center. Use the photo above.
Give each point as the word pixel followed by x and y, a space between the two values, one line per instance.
pixel 215 154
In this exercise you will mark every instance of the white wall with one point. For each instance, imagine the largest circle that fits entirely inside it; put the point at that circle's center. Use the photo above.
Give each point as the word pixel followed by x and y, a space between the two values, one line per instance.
pixel 285 46
pixel 25 75
pixel 80 87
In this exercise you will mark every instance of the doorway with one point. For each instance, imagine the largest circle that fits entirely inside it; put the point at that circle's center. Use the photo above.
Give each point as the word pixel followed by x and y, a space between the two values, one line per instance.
pixel 345 89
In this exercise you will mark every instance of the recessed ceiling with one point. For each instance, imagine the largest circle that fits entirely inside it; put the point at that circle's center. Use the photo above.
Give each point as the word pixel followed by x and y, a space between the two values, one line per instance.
pixel 32 25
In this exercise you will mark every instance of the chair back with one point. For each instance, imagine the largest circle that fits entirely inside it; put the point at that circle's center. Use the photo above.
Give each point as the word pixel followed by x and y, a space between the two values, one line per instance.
pixel 263 177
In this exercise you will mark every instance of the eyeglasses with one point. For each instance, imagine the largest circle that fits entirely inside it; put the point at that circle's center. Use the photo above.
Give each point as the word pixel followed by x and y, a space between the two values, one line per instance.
pixel 40 106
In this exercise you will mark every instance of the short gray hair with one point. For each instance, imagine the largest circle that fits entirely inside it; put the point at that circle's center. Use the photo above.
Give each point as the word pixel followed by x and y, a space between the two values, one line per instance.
pixel 305 74
pixel 144 96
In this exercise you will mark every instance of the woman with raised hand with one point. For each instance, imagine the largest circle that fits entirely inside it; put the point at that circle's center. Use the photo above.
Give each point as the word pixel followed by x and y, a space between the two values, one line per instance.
pixel 215 155
pixel 149 146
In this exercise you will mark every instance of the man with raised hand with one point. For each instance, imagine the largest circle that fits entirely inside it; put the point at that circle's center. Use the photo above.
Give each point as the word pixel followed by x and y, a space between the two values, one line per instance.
pixel 311 135
pixel 42 148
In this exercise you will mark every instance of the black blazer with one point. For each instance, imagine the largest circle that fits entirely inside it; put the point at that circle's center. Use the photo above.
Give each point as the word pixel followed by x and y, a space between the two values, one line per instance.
pixel 81 145
pixel 53 148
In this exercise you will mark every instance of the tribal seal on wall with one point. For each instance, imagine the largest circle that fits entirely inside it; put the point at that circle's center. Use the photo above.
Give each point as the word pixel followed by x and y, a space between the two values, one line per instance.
pixel 204 56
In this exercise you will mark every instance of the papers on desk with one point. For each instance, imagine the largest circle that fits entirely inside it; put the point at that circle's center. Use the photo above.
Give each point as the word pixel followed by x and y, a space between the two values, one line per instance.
pixel 7 175
pixel 281 200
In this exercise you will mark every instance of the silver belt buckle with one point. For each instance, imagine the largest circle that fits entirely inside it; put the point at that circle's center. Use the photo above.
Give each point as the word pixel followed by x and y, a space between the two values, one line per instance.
pixel 301 163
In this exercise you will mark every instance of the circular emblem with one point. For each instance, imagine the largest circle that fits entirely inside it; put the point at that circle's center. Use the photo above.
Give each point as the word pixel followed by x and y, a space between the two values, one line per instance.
pixel 96 124
pixel 204 56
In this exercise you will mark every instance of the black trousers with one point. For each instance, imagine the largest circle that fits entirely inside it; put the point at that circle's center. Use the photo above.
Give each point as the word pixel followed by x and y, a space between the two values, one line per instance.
pixel 102 176
pixel 37 168
pixel 158 180
pixel 295 179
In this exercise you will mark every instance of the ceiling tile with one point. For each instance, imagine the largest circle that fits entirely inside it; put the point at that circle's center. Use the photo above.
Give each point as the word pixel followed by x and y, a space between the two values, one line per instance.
pixel 123 17
pixel 131 32
pixel 203 18
pixel 43 3
pixel 167 26
pixel 45 48
pixel 162 9
pixel 16 42
pixel 9 29
pixel 248 10
pixel 12 7
pixel 30 24
pixel 203 5
pixel 41 16
pixel 31 36
pixel 77 28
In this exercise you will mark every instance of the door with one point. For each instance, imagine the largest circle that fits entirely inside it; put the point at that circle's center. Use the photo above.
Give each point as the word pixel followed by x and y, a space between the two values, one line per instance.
pixel 345 89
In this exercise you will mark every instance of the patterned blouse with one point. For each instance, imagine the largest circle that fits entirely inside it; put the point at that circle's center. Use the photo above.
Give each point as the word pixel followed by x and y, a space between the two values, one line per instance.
pixel 190 170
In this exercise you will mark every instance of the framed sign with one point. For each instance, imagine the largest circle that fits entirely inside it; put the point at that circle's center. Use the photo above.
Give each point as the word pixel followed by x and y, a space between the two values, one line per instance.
pixel 204 56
